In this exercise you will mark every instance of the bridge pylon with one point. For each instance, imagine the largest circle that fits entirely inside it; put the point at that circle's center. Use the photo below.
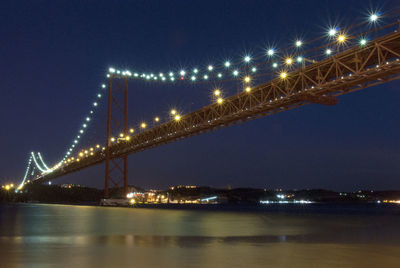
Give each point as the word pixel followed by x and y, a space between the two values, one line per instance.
pixel 116 169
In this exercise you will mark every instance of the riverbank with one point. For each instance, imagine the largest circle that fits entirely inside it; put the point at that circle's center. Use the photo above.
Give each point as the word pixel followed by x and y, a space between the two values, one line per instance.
pixel 194 196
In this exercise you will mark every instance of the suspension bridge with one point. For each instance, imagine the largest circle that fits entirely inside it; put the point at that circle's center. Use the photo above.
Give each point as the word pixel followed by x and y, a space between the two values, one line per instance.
pixel 343 61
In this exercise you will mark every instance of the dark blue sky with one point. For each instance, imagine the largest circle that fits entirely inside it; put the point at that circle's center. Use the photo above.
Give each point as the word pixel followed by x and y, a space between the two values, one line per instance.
pixel 54 55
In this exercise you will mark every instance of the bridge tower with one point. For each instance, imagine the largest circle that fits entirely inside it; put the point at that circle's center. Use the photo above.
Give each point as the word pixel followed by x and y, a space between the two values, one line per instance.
pixel 116 169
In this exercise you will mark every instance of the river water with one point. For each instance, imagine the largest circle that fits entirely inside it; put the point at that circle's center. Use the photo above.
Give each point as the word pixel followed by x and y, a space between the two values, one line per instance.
pixel 40 235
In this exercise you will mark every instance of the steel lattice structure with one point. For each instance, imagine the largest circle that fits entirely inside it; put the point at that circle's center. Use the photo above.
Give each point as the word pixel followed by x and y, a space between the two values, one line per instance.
pixel 116 166
pixel 321 82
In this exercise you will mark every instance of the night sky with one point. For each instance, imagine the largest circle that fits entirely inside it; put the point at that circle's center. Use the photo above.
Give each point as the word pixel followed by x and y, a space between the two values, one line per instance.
pixel 54 56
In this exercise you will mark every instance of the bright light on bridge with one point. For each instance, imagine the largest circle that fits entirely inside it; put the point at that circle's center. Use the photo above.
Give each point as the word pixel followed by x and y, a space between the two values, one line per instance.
pixel 373 17
pixel 288 61
pixel 341 38
pixel 332 32
pixel 363 42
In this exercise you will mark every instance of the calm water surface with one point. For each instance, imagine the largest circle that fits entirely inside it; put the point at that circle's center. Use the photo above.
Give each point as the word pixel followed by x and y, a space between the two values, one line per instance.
pixel 38 235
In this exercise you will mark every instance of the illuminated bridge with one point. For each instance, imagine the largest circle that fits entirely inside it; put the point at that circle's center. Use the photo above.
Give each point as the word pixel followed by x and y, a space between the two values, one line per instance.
pixel 343 61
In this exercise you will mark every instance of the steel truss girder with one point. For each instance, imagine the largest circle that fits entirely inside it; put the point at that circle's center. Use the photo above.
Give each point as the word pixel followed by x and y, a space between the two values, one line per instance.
pixel 354 69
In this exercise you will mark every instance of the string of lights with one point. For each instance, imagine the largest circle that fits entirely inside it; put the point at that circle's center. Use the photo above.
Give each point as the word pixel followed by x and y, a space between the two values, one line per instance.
pixel 28 167
pixel 41 165
pixel 41 160
pixel 282 63
pixel 271 62
pixel 234 70
pixel 87 119
pixel 42 169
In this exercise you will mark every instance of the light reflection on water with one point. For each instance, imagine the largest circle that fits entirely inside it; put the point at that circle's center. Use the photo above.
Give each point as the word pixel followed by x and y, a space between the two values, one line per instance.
pixel 57 235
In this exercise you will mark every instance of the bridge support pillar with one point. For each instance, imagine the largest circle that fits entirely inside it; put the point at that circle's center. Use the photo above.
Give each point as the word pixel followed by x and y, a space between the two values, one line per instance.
pixel 116 169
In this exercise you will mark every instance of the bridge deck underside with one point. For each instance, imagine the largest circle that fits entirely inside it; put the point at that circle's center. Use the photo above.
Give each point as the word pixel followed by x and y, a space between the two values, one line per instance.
pixel 354 69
